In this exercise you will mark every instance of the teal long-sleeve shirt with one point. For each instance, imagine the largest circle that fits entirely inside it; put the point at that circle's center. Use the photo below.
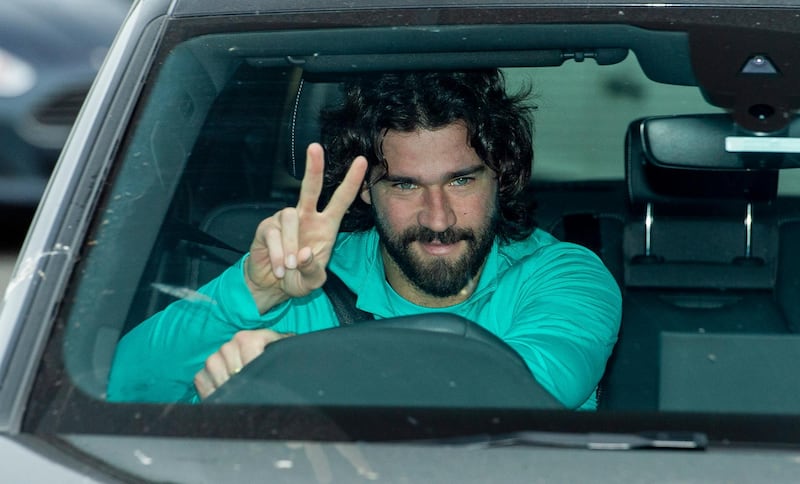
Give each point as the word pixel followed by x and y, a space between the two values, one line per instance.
pixel 553 302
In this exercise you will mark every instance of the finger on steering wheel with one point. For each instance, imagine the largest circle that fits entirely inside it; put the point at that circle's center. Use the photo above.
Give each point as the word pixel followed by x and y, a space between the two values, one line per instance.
pixel 216 370
pixel 232 357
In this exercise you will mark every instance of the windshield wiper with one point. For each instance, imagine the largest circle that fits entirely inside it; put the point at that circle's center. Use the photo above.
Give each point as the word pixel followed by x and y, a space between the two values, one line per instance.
pixel 592 441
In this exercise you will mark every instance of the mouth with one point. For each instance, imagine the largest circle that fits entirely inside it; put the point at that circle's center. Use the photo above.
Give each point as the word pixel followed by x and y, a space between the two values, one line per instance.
pixel 438 248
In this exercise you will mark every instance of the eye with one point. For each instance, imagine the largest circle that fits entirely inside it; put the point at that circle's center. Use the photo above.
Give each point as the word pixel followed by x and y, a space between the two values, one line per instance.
pixel 462 181
pixel 404 186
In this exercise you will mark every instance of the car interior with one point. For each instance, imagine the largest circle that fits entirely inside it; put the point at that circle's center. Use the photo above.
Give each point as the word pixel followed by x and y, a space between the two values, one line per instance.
pixel 699 238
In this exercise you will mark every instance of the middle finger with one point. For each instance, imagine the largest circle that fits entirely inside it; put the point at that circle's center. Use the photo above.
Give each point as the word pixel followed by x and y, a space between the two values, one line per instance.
pixel 232 357
pixel 311 186
pixel 216 369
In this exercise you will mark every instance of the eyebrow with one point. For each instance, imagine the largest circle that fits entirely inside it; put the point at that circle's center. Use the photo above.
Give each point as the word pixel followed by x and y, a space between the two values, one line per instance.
pixel 472 170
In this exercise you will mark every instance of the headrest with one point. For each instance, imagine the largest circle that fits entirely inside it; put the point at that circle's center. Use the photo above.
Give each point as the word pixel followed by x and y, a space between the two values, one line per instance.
pixel 679 160
pixel 304 125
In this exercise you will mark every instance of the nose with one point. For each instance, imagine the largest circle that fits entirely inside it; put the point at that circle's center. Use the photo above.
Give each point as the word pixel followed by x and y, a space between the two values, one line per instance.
pixel 436 213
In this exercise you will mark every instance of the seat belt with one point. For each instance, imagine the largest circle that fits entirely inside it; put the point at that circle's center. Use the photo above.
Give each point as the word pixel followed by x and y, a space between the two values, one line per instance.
pixel 344 301
pixel 342 298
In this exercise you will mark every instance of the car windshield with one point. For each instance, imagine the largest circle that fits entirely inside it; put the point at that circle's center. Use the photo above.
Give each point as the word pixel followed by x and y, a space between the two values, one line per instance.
pixel 216 141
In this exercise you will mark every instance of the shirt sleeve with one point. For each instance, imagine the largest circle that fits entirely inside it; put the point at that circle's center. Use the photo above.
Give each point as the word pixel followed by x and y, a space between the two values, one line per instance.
pixel 566 319
pixel 157 360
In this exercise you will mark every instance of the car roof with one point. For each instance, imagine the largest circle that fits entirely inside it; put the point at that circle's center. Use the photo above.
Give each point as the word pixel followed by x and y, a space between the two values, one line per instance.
pixel 195 7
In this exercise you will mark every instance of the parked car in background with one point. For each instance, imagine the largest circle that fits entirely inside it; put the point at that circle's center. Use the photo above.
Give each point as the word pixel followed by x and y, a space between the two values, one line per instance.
pixel 667 142
pixel 50 52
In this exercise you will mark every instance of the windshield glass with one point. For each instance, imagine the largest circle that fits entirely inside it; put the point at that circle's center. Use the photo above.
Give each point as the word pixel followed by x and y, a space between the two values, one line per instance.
pixel 578 283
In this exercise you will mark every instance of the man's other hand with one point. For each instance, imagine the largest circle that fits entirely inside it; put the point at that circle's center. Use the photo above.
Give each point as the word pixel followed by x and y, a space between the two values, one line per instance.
pixel 244 347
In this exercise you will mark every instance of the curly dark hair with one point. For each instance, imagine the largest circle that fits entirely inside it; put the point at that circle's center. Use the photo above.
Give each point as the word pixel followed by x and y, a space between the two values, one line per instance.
pixel 499 127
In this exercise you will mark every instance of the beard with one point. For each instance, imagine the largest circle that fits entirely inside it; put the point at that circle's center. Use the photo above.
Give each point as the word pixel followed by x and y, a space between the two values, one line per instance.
pixel 438 276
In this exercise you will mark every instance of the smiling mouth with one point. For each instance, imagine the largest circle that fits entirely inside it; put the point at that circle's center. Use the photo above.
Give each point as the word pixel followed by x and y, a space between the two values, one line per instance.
pixel 437 248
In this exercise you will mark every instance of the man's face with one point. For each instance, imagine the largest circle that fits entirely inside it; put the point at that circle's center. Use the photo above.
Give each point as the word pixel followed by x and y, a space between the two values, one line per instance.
pixel 435 210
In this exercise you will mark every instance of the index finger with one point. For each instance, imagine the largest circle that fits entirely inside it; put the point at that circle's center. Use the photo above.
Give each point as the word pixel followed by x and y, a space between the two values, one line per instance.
pixel 347 191
pixel 311 186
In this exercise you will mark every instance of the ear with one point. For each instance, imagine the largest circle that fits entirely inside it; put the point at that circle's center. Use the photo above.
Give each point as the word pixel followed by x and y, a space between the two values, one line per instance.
pixel 366 197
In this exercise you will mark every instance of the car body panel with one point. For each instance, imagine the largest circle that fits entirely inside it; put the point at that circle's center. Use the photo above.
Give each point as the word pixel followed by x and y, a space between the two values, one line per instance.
pixel 473 463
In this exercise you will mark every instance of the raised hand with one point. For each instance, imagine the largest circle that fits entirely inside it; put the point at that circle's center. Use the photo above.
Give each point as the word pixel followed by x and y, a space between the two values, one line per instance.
pixel 291 248
pixel 287 259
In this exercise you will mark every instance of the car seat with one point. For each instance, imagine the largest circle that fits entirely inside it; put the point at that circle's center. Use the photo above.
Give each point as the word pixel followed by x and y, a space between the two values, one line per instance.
pixel 701 255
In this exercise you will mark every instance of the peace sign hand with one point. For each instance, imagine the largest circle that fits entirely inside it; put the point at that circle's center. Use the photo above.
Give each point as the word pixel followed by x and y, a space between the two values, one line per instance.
pixel 291 248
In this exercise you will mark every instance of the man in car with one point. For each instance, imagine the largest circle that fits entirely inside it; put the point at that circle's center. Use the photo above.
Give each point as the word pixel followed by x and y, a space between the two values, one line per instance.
pixel 424 211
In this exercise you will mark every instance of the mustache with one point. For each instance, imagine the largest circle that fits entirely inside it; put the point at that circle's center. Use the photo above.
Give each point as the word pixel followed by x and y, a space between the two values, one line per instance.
pixel 426 236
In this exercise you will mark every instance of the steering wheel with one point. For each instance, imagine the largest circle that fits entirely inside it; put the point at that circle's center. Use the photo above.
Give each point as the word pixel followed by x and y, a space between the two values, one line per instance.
pixel 429 360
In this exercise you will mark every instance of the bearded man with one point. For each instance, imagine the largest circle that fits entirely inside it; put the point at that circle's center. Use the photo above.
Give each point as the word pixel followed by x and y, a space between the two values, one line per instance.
pixel 424 211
